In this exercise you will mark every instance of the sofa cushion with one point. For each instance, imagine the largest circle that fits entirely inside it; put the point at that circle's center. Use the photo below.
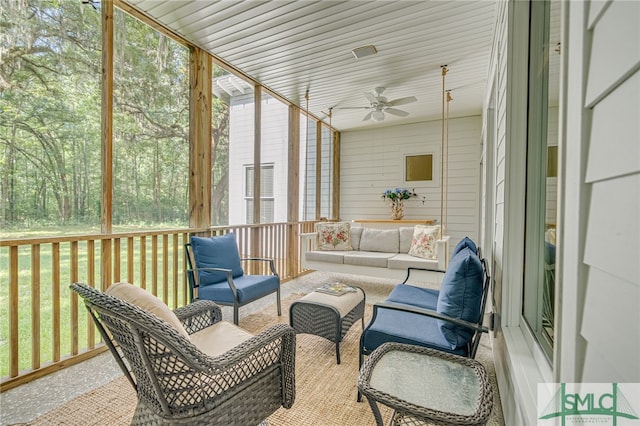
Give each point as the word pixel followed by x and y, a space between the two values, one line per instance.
pixel 421 297
pixel 404 261
pixel 549 253
pixel 465 242
pixel 424 240
pixel 356 235
pixel 219 338
pixel 249 287
pixel 550 236
pixel 333 235
pixel 380 240
pixel 326 256
pixel 216 252
pixel 147 302
pixel 405 327
pixel 406 236
pixel 460 296
pixel 367 258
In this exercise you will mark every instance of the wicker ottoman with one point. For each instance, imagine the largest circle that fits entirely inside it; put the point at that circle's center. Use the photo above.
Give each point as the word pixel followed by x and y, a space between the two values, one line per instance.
pixel 327 316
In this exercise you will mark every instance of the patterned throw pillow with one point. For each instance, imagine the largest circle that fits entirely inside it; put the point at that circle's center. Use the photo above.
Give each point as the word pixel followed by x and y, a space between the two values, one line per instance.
pixel 424 240
pixel 334 235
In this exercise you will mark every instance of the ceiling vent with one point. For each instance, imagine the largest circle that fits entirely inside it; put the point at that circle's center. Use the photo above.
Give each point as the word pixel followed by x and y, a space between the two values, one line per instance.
pixel 364 51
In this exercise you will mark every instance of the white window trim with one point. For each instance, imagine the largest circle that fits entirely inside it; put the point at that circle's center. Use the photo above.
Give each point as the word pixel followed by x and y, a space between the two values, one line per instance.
pixel 526 361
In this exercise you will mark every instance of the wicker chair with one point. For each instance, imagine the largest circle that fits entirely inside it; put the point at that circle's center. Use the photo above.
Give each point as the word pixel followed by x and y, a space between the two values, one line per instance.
pixel 176 382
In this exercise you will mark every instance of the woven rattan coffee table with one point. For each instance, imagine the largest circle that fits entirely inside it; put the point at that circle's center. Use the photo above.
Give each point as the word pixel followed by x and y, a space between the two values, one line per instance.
pixel 327 316
pixel 425 386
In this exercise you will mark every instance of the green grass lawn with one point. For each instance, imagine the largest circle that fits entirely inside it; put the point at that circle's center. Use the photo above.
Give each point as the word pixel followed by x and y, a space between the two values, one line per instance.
pixel 45 307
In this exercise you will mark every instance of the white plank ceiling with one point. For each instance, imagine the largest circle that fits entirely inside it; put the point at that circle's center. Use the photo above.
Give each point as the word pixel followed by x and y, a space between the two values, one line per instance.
pixel 294 46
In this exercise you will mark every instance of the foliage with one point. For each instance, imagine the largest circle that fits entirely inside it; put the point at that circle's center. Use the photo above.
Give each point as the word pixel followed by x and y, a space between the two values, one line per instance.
pixel 50 120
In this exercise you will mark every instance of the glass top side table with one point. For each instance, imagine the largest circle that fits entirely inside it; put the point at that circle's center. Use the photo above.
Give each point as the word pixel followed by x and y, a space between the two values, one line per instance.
pixel 425 385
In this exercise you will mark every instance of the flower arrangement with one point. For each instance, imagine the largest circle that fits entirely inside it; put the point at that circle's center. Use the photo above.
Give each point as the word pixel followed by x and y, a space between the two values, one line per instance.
pixel 396 198
pixel 399 194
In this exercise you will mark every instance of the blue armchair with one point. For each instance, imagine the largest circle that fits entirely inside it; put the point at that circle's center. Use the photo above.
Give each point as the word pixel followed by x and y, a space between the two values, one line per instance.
pixel 215 273
pixel 449 319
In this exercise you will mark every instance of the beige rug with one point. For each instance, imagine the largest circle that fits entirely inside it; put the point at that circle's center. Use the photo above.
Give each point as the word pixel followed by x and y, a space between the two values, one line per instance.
pixel 325 392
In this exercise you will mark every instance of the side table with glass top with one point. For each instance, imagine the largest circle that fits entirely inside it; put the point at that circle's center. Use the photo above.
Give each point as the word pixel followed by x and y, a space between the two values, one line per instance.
pixel 425 386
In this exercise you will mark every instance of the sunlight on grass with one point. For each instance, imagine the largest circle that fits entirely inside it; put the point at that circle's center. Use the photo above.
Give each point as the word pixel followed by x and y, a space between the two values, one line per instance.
pixel 47 288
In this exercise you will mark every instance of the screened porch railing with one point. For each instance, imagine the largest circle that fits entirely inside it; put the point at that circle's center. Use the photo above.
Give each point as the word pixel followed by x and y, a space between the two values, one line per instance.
pixel 43 327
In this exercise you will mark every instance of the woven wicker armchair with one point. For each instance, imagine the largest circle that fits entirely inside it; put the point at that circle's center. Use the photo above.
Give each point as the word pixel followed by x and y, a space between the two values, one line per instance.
pixel 176 382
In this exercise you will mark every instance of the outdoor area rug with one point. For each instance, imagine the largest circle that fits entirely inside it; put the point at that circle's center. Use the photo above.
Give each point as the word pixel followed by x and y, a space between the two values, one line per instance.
pixel 325 392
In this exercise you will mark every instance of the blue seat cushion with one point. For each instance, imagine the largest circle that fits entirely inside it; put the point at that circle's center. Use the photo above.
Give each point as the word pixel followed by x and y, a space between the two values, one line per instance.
pixel 416 296
pixel 405 327
pixel 250 287
pixel 549 253
pixel 465 242
pixel 216 252
pixel 461 296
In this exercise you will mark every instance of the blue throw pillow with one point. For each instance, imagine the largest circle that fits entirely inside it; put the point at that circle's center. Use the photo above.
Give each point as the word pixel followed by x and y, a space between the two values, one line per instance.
pixel 460 296
pixel 465 242
pixel 216 252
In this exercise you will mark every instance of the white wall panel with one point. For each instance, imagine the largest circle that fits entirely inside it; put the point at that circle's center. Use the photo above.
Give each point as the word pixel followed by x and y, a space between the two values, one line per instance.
pixel 614 52
pixel 595 9
pixel 613 228
pixel 615 148
pixel 606 278
pixel 372 161
pixel 619 348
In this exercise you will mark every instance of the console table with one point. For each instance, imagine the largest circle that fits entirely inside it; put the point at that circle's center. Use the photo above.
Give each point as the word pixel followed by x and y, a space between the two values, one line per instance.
pixel 423 385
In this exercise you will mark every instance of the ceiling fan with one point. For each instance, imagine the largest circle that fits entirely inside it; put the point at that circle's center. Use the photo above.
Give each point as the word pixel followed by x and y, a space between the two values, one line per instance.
pixel 379 105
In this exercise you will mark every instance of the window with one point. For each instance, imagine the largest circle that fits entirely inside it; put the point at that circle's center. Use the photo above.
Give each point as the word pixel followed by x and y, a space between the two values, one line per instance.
pixel 542 172
pixel 418 167
pixel 267 200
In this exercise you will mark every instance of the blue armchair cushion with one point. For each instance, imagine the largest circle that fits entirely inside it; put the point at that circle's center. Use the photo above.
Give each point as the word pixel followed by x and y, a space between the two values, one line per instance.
pixel 216 252
pixel 426 298
pixel 549 253
pixel 465 242
pixel 405 327
pixel 250 287
pixel 461 296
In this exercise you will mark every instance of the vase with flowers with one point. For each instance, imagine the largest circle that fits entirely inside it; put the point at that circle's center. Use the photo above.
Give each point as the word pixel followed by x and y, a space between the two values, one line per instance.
pixel 395 198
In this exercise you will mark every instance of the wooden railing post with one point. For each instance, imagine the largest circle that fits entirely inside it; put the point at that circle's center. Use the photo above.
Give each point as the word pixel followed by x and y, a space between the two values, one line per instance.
pixel 48 283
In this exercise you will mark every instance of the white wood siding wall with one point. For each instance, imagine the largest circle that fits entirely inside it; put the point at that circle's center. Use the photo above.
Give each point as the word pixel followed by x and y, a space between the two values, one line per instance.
pixel 599 246
pixel 372 161
pixel 603 157
pixel 274 150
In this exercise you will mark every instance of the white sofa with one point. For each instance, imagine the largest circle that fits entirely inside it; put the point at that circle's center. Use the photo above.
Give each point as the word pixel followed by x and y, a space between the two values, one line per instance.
pixel 374 252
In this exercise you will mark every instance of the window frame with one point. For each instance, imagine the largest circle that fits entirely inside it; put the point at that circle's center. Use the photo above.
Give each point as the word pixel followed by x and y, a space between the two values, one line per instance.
pixel 248 199
pixel 536 174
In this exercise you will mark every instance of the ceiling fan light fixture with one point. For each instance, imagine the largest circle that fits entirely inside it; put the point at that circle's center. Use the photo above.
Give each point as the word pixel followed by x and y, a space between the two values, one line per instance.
pixel 361 52
pixel 377 116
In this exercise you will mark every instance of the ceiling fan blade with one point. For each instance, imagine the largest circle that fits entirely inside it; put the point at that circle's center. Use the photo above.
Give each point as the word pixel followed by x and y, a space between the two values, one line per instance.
pixel 403 101
pixel 371 97
pixel 397 112
pixel 353 107
pixel 367 117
